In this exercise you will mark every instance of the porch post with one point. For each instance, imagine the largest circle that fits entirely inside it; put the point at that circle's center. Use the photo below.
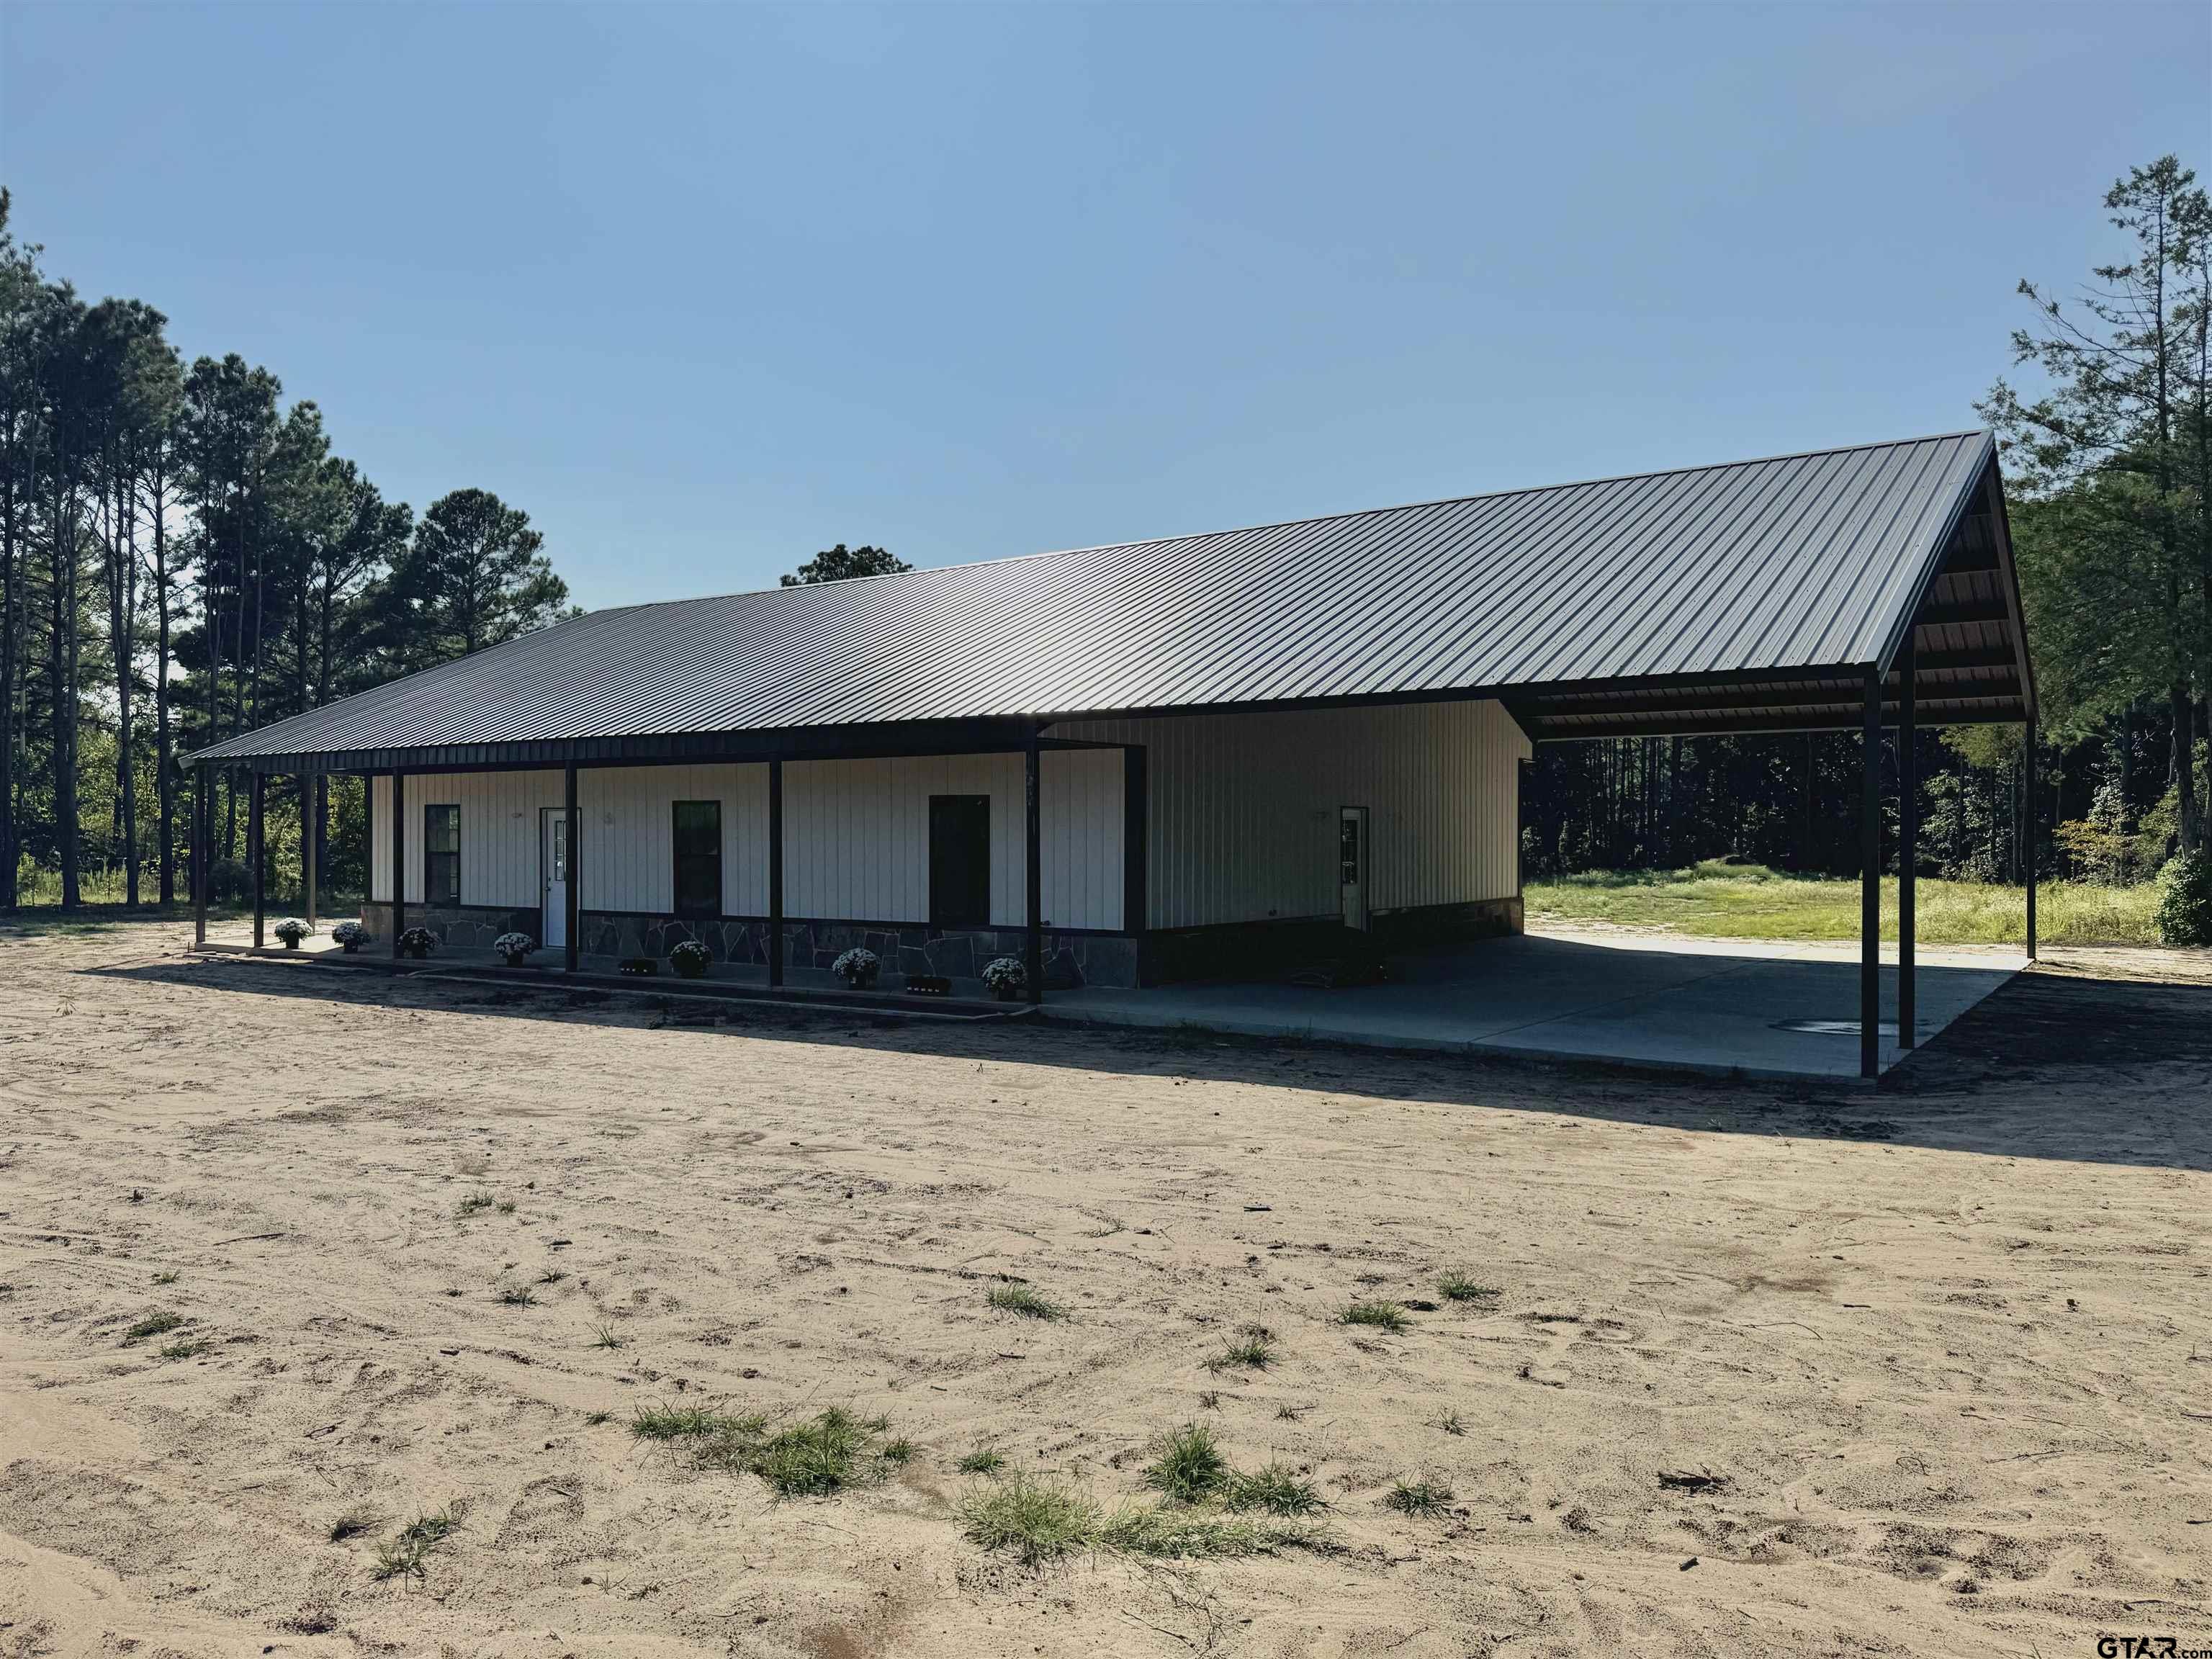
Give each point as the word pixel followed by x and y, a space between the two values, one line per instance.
pixel 1033 951
pixel 1136 817
pixel 1908 839
pixel 2031 814
pixel 256 823
pixel 572 897
pixel 399 858
pixel 198 871
pixel 1870 887
pixel 774 873
pixel 307 847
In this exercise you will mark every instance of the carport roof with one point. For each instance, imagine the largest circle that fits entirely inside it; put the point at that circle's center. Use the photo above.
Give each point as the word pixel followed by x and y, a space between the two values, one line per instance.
pixel 1754 595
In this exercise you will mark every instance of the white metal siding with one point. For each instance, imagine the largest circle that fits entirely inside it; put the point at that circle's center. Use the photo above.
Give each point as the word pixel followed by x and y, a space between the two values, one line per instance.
pixel 1244 807
pixel 856 835
pixel 628 836
pixel 499 833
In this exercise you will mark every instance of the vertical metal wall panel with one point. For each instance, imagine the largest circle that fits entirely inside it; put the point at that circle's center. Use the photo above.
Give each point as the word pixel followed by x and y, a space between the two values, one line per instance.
pixel 1244 807
pixel 499 832
pixel 856 835
pixel 628 861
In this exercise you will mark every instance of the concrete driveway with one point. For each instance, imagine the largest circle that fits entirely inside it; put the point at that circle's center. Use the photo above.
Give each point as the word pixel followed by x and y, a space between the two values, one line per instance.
pixel 1753 1009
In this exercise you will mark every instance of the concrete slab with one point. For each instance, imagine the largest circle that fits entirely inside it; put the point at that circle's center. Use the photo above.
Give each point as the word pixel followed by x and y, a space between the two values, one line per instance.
pixel 1724 1007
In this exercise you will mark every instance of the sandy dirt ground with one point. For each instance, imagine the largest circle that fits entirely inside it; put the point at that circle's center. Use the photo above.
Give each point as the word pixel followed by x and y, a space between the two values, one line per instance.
pixel 1946 1349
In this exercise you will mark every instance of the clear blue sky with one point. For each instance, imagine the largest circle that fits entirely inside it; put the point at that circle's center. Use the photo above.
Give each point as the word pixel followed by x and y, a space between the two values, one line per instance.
pixel 708 288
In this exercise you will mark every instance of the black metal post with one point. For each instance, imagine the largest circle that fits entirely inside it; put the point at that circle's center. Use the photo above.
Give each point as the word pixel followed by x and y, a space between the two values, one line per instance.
pixel 1870 887
pixel 1136 820
pixel 257 849
pixel 1908 842
pixel 400 860
pixel 1033 950
pixel 571 896
pixel 2034 812
pixel 201 786
pixel 307 849
pixel 775 945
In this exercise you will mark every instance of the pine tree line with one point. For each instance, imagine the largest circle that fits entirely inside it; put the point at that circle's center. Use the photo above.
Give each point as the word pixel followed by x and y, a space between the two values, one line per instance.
pixel 183 557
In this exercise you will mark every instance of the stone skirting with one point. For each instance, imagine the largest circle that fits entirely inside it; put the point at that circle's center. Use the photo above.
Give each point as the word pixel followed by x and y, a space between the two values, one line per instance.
pixel 1271 950
pixel 1251 950
pixel 1070 959
pixel 465 926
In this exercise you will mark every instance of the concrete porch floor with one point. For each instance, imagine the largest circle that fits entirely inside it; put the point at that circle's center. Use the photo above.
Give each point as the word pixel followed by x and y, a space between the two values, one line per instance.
pixel 1713 1007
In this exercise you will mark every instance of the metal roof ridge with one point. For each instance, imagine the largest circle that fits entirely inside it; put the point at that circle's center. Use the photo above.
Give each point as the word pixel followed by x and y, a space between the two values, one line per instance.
pixel 1320 518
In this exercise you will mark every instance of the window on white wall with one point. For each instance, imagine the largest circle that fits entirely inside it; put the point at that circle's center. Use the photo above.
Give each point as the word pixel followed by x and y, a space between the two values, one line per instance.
pixel 698 842
pixel 442 854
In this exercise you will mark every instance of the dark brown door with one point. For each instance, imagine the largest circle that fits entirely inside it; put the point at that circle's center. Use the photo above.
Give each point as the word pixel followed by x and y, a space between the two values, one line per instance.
pixel 959 861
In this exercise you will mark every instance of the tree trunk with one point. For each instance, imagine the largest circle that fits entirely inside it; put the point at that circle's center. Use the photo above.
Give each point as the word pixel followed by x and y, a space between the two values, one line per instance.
pixel 8 894
pixel 2181 765
pixel 165 786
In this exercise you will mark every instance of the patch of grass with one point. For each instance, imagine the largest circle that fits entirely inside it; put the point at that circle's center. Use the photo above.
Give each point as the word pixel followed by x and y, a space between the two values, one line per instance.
pixel 474 1203
pixel 1382 1315
pixel 507 1206
pixel 1458 1287
pixel 354 1522
pixel 1008 1296
pixel 820 1456
pixel 592 1419
pixel 1719 900
pixel 1273 1487
pixel 1036 1520
pixel 689 1423
pixel 167 1276
pixel 984 1460
pixel 517 1296
pixel 154 1324
pixel 1186 1466
pixel 1452 1423
pixel 186 1349
pixel 1162 1535
pixel 815 1458
pixel 606 1338
pixel 1428 1499
pixel 1253 1349
pixel 551 1276
pixel 402 1554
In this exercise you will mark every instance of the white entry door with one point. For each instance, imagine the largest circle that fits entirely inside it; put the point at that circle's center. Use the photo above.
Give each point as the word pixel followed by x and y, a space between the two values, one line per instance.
pixel 1351 862
pixel 553 860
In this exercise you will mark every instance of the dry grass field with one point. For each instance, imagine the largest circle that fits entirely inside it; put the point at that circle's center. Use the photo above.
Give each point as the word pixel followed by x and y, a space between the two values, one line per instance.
pixel 348 1315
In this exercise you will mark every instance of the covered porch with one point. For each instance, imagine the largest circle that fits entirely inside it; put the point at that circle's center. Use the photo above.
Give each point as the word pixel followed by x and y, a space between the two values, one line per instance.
pixel 1723 1007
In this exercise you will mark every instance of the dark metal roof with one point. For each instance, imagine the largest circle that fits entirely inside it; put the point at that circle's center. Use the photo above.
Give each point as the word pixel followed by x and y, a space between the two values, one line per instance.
pixel 1741 593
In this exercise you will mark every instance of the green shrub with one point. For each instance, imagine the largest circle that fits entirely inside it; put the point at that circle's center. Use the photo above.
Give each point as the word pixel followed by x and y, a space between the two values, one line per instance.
pixel 2185 900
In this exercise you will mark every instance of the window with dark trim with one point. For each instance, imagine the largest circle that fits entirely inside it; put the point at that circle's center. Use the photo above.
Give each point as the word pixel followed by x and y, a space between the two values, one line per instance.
pixel 442 854
pixel 698 840
pixel 959 861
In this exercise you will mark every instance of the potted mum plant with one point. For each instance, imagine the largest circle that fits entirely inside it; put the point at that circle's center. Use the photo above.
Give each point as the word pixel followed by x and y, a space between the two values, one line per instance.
pixel 350 936
pixel 515 948
pixel 1007 977
pixel 418 942
pixel 858 967
pixel 292 930
pixel 690 959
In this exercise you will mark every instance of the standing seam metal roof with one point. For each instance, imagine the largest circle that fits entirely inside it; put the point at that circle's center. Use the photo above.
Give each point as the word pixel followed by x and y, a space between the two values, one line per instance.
pixel 1792 562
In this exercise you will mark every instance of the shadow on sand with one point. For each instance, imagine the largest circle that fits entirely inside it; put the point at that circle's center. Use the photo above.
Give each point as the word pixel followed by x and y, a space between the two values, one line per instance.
pixel 2054 1065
